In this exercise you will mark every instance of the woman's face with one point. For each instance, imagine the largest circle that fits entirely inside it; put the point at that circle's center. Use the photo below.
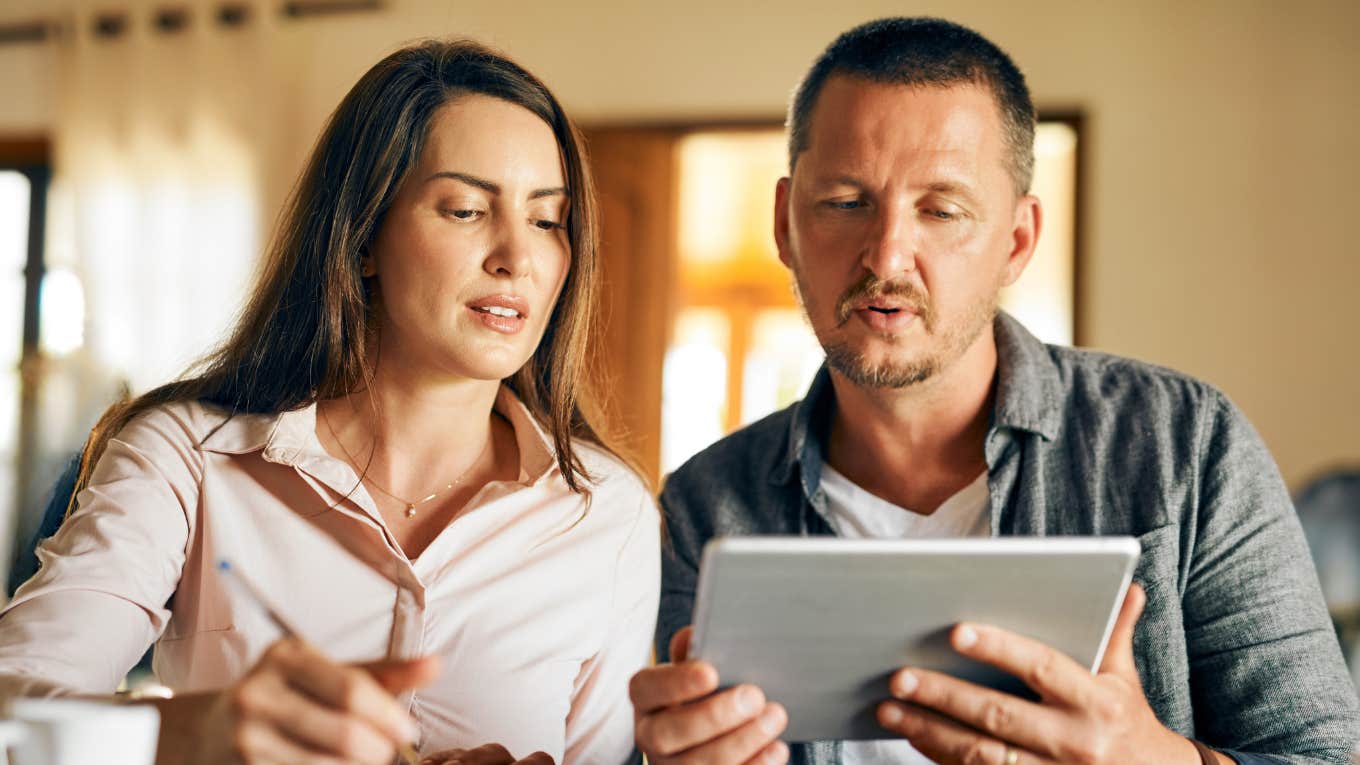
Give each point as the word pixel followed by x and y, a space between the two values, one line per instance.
pixel 473 252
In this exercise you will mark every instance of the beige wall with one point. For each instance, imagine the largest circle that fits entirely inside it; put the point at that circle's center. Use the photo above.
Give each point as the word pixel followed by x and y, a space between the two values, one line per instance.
pixel 1221 170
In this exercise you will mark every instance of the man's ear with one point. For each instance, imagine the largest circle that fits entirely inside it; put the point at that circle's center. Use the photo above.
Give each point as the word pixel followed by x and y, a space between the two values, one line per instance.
pixel 782 192
pixel 1028 220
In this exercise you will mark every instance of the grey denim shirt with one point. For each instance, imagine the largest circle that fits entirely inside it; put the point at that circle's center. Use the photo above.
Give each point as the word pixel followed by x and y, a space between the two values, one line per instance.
pixel 1235 647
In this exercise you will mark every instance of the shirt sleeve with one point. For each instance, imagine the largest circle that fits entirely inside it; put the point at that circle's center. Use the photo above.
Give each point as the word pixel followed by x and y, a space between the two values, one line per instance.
pixel 600 724
pixel 100 598
pixel 1267 675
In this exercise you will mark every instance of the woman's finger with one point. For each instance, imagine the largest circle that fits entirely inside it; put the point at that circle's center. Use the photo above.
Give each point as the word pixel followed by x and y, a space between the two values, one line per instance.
pixel 319 728
pixel 259 743
pixel 342 687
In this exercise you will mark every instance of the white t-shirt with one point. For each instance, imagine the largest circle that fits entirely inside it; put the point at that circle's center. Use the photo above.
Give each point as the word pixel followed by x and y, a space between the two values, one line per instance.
pixel 856 514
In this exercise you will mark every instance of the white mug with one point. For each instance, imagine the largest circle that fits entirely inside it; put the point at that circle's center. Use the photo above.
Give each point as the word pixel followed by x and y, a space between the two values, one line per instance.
pixel 70 732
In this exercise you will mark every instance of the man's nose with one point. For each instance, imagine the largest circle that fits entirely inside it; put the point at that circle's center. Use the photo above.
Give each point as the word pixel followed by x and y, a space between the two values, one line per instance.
pixel 890 248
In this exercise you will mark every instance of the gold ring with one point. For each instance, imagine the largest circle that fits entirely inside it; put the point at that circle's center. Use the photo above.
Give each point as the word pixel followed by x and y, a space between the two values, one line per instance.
pixel 1012 756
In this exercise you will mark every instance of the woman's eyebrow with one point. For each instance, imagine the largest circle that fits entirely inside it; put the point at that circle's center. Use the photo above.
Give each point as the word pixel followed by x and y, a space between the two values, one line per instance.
pixel 491 186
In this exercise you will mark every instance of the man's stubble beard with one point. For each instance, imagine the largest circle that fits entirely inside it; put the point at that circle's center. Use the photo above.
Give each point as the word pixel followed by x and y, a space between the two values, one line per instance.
pixel 891 374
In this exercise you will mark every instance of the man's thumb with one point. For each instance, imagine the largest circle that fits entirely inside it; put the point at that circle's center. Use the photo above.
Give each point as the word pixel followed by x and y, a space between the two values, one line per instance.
pixel 1119 652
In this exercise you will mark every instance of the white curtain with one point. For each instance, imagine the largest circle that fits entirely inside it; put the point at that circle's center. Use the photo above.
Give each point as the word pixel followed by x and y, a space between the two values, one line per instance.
pixel 155 214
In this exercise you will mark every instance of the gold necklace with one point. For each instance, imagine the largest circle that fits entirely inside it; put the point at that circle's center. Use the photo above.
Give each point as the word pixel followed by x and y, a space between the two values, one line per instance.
pixel 411 505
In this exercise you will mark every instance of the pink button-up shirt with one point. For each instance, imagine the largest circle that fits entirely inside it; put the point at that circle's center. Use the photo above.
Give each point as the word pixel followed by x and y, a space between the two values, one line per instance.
pixel 541 605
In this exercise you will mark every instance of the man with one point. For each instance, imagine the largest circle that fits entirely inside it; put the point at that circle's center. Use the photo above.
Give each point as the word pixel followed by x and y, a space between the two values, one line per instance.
pixel 905 211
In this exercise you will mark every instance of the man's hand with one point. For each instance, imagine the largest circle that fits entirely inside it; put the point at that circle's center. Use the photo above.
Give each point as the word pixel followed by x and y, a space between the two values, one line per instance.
pixel 486 754
pixel 677 717
pixel 1080 718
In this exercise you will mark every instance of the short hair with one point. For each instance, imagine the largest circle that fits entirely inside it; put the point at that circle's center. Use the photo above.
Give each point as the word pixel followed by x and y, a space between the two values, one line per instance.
pixel 923 52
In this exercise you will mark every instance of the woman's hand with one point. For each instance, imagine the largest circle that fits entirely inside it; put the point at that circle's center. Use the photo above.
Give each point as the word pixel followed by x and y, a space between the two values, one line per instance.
pixel 296 706
pixel 486 754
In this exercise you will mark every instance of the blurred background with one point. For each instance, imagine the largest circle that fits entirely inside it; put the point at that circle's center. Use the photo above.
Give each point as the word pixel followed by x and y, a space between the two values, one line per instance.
pixel 1197 162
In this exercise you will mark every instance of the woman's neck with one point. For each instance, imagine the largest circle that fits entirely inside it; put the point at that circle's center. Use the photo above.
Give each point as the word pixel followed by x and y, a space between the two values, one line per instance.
pixel 413 435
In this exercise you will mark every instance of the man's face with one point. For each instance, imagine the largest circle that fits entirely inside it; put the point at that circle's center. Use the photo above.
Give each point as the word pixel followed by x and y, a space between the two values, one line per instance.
pixel 901 224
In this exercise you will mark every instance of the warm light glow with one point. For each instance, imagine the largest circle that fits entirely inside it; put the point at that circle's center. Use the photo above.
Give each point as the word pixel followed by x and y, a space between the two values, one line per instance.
pixel 726 213
pixel 14 193
pixel 62 315
pixel 781 361
pixel 1042 298
pixel 694 385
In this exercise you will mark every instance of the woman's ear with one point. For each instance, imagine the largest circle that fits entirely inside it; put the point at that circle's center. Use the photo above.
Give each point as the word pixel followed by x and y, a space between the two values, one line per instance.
pixel 367 267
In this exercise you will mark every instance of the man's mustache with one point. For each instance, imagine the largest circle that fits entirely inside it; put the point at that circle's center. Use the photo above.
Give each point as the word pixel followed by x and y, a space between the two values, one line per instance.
pixel 870 287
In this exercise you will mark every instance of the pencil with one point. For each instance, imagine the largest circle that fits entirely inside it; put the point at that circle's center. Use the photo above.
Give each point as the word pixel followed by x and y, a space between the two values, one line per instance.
pixel 406 751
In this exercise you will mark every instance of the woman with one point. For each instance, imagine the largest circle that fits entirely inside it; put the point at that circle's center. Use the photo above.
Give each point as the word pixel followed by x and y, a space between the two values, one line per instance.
pixel 394 448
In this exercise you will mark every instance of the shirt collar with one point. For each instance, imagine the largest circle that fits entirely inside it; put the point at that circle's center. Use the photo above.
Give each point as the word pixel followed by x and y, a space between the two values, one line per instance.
pixel 1029 390
pixel 287 437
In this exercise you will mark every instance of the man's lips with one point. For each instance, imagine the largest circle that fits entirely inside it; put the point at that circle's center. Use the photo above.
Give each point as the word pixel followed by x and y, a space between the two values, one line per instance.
pixel 885 319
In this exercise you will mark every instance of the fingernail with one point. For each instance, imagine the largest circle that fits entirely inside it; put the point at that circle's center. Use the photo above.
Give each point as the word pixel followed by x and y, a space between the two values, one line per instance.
pixel 967 637
pixel 905 684
pixel 777 753
pixel 890 714
pixel 748 700
pixel 772 720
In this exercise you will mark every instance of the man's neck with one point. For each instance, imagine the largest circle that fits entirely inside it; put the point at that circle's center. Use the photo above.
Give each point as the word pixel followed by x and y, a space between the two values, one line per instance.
pixel 916 446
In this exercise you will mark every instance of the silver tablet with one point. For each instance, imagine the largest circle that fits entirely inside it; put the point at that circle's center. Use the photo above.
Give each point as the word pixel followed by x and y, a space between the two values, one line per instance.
pixel 820 624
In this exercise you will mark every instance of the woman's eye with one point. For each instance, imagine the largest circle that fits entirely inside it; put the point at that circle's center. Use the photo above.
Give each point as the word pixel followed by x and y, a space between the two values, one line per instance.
pixel 463 215
pixel 547 225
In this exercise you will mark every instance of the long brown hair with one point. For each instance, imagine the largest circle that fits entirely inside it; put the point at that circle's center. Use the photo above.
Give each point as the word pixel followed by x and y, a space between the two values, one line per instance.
pixel 302 334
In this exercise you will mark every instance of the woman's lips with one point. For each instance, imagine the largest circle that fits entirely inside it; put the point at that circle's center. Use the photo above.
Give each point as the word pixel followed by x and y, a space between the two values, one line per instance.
pixel 499 319
pixel 501 313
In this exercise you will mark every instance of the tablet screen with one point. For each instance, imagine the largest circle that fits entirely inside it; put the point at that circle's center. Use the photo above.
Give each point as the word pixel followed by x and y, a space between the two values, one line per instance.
pixel 820 624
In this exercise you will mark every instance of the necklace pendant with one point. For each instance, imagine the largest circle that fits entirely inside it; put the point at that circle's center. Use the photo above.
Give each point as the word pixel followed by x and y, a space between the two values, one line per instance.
pixel 410 511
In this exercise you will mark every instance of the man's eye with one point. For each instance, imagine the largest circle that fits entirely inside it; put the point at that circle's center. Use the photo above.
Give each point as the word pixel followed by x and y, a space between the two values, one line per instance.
pixel 463 215
pixel 941 214
pixel 847 204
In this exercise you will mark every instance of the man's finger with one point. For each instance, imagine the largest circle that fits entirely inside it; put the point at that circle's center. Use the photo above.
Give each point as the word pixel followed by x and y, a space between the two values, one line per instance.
pixel 675 729
pixel 1048 672
pixel 670 684
pixel 999 715
pixel 1118 657
pixel 942 739
pixel 739 745
pixel 680 644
